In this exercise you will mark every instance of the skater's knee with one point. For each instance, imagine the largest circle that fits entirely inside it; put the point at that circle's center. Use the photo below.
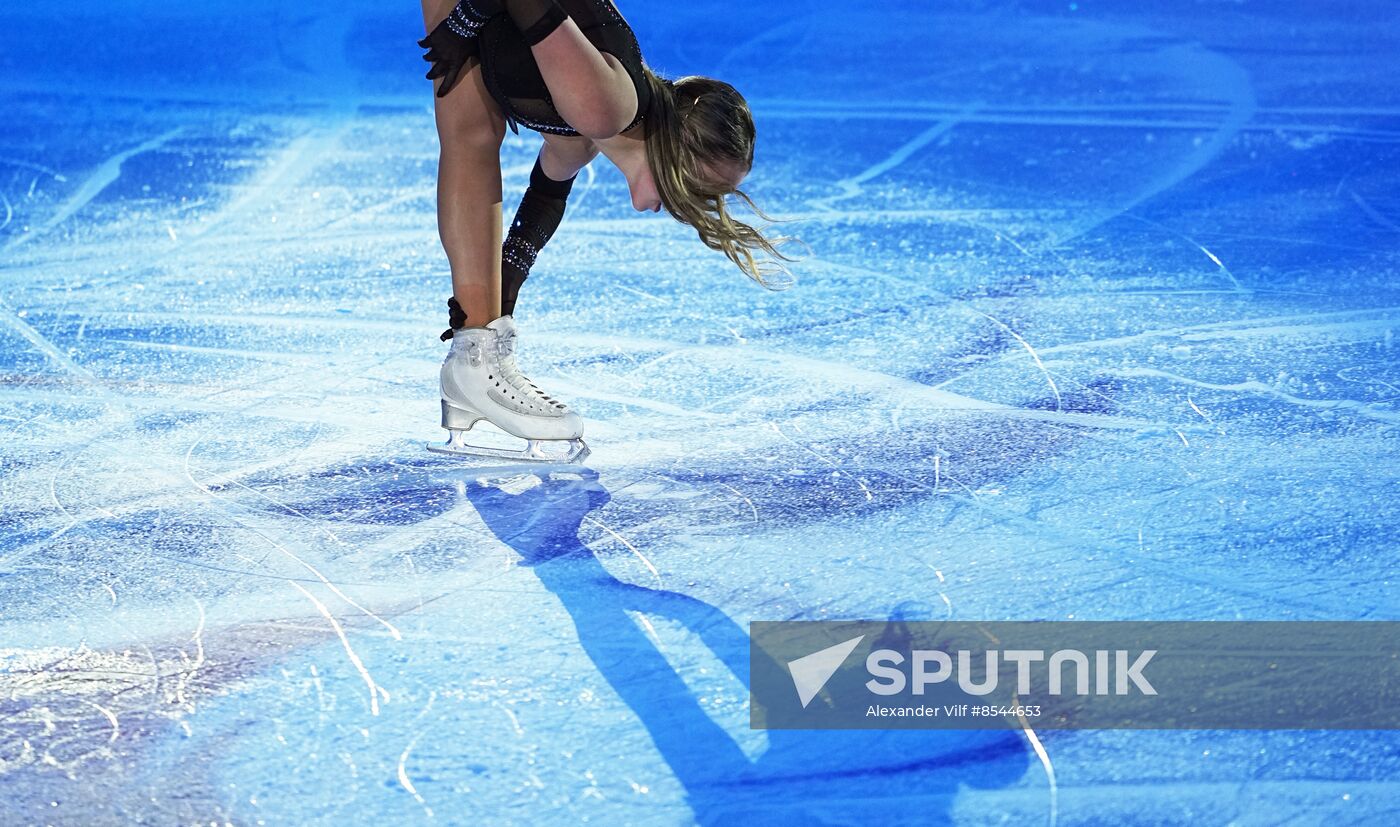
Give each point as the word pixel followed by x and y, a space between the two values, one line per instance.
pixel 470 131
pixel 468 119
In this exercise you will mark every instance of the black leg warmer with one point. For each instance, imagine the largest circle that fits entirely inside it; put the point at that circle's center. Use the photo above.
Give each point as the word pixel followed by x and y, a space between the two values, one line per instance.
pixel 539 215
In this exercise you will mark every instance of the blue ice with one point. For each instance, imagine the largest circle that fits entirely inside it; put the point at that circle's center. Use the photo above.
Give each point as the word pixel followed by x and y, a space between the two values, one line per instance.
pixel 1097 322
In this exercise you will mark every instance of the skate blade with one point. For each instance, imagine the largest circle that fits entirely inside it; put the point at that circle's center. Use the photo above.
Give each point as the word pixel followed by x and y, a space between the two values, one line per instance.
pixel 537 450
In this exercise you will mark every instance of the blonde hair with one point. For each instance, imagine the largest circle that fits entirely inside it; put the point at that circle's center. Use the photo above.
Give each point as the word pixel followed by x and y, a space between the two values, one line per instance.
pixel 697 120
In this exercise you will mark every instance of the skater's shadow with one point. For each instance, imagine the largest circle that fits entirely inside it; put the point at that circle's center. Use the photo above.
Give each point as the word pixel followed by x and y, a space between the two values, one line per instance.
pixel 888 777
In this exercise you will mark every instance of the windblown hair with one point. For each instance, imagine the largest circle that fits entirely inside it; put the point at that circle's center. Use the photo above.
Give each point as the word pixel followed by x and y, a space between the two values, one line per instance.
pixel 697 120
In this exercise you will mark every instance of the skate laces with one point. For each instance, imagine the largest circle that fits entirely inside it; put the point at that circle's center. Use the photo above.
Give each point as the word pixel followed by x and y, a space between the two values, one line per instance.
pixel 505 352
pixel 463 345
pixel 505 342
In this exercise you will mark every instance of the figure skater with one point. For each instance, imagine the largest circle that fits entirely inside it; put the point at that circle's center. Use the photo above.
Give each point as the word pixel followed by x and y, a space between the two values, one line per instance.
pixel 572 71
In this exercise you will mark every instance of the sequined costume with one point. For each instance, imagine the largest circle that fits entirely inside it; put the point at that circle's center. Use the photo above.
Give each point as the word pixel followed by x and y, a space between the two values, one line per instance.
pixel 513 78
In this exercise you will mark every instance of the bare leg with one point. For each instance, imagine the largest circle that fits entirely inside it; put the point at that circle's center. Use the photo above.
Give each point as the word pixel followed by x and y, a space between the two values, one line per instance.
pixel 470 131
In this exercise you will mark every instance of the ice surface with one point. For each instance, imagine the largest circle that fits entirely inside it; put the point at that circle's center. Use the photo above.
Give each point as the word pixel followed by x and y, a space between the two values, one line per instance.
pixel 1098 322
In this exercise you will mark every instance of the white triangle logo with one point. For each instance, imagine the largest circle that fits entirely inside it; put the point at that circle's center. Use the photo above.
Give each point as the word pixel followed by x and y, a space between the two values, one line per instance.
pixel 810 673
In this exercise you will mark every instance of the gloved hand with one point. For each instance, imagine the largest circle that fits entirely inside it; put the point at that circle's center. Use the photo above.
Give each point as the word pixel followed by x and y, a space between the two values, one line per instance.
pixel 450 46
pixel 456 318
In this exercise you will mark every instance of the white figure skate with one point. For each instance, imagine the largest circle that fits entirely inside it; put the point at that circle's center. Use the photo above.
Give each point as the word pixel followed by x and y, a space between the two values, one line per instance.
pixel 480 381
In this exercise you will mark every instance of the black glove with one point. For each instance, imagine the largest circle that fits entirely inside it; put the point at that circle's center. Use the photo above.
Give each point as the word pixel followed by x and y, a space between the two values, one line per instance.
pixel 452 44
pixel 456 318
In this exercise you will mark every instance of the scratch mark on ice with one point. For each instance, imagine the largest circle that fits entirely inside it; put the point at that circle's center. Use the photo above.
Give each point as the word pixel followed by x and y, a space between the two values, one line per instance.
pixel 632 548
pixel 1366 409
pixel 1059 405
pixel 404 780
pixel 1237 286
pixel 514 721
pixel 106 172
pixel 851 187
pixel 1044 756
pixel 359 665
pixel 198 640
pixel 642 293
pixel 116 728
pixel 1371 212
pixel 393 630
pixel 741 496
